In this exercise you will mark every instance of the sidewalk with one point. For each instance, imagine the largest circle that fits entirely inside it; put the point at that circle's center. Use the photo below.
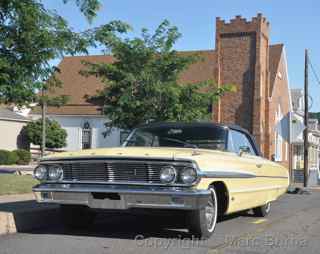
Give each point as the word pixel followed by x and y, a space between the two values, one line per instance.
pixel 21 213
pixel 5 199
pixel 19 169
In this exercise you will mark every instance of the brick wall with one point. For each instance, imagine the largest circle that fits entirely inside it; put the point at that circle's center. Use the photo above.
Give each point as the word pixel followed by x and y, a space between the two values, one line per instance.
pixel 242 49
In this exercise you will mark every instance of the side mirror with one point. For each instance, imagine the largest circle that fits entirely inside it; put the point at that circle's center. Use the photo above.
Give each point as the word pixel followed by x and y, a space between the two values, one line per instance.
pixel 273 157
pixel 243 150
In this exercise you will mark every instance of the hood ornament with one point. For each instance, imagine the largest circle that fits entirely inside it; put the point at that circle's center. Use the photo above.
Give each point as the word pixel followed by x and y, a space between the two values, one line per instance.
pixel 195 152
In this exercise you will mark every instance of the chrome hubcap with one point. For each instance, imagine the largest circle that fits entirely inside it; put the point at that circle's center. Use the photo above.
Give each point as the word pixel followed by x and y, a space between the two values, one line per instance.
pixel 268 206
pixel 210 212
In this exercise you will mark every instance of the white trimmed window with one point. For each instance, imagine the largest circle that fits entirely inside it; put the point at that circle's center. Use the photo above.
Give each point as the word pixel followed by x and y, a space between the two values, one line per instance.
pixel 86 136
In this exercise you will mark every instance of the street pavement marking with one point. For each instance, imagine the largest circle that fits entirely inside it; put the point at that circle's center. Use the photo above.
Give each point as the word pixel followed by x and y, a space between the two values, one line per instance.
pixel 220 247
pixel 259 221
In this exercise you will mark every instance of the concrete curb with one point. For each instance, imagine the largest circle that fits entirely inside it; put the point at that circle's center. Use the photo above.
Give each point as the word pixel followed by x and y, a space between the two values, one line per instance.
pixel 25 215
pixel 17 169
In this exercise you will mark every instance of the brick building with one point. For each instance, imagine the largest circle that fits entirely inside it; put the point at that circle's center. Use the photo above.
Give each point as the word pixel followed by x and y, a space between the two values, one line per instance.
pixel 242 56
pixel 262 105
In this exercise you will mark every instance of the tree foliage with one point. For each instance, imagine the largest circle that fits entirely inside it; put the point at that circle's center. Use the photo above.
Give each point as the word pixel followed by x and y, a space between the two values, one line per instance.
pixel 315 115
pixel 24 156
pixel 143 83
pixel 88 7
pixel 30 38
pixel 56 136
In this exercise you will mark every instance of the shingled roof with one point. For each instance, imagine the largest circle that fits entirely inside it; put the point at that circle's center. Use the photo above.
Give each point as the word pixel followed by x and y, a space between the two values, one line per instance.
pixel 79 88
pixel 274 60
pixel 8 115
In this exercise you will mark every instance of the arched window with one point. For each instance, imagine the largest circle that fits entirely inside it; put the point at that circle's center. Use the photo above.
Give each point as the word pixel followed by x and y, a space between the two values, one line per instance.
pixel 86 136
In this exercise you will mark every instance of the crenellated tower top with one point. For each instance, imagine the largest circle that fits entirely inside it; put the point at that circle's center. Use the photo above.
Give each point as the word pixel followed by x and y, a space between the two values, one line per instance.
pixel 258 23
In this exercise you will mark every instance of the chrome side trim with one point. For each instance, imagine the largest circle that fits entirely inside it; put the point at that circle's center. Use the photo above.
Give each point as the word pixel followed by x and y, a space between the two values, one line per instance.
pixel 235 174
pixel 226 174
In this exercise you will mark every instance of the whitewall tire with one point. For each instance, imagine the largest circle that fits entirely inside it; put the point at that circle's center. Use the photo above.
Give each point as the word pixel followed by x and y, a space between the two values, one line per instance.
pixel 202 222
pixel 262 211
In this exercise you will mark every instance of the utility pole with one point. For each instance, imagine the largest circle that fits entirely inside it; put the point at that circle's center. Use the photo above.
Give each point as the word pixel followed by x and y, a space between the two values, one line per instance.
pixel 306 119
pixel 43 112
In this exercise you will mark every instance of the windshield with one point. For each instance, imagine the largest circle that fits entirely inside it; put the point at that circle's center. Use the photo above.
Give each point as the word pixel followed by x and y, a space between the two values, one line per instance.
pixel 207 137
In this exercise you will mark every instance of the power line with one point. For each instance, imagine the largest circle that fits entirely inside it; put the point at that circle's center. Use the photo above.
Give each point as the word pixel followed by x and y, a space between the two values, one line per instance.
pixel 314 71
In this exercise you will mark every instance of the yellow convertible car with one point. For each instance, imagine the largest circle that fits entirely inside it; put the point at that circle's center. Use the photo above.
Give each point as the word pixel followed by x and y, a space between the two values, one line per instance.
pixel 202 170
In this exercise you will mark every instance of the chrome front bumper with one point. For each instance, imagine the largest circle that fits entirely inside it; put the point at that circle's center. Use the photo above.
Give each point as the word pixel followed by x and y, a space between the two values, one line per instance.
pixel 121 197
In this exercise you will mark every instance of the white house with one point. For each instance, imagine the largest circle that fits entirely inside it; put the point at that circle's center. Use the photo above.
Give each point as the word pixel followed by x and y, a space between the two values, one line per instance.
pixel 297 129
pixel 82 117
pixel 11 126
pixel 85 131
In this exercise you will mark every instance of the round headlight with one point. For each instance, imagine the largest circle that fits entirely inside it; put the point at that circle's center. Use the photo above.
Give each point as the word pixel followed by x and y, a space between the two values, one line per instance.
pixel 168 174
pixel 55 172
pixel 40 173
pixel 189 175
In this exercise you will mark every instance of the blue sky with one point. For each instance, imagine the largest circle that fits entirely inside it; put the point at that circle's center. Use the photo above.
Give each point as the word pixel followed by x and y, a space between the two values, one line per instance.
pixel 294 23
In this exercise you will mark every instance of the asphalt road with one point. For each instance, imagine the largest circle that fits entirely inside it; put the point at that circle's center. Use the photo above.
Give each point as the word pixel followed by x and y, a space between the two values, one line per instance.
pixel 293 226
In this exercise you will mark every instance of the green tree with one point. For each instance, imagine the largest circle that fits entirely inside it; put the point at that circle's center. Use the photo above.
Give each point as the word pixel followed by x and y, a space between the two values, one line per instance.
pixel 55 135
pixel 88 7
pixel 315 115
pixel 143 83
pixel 30 38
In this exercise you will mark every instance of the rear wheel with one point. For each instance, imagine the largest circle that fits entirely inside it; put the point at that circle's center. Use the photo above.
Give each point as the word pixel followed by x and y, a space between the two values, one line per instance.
pixel 262 211
pixel 74 216
pixel 202 222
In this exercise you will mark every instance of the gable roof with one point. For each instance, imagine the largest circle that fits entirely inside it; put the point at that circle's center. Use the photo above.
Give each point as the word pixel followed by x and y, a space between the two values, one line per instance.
pixel 79 88
pixel 275 52
pixel 8 115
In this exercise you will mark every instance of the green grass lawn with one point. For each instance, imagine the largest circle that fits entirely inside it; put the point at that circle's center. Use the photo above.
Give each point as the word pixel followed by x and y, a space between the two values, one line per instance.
pixel 15 184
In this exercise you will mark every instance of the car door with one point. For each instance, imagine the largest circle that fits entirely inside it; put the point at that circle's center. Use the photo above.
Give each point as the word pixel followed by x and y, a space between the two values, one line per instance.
pixel 250 191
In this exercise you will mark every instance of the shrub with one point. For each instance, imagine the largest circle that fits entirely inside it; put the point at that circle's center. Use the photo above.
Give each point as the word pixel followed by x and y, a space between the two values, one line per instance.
pixel 4 157
pixel 8 158
pixel 12 158
pixel 56 137
pixel 24 156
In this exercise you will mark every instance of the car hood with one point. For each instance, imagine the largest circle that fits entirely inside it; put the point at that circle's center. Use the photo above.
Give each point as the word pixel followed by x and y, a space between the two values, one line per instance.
pixel 140 152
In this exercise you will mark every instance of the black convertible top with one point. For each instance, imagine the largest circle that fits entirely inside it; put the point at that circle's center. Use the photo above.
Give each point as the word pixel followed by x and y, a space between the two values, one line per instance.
pixel 203 124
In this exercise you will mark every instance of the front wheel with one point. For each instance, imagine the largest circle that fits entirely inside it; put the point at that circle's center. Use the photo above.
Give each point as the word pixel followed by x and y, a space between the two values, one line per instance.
pixel 262 211
pixel 202 222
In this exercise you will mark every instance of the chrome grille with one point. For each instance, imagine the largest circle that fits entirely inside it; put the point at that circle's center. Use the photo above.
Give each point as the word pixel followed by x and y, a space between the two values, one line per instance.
pixel 117 171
